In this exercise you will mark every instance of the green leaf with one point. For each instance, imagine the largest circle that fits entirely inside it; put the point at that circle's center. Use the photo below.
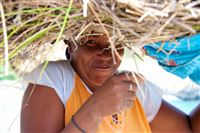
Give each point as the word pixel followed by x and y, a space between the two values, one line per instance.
pixel 28 41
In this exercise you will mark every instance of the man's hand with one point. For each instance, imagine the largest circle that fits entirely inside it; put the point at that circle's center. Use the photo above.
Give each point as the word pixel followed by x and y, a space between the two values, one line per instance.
pixel 115 94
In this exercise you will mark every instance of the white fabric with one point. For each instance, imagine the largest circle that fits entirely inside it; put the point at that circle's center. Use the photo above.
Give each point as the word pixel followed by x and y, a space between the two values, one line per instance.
pixel 59 75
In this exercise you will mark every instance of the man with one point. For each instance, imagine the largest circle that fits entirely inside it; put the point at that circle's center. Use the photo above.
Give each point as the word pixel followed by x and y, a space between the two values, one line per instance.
pixel 85 95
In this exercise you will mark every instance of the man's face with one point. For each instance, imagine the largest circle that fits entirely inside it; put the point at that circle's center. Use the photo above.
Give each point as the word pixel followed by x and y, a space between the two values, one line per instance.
pixel 93 60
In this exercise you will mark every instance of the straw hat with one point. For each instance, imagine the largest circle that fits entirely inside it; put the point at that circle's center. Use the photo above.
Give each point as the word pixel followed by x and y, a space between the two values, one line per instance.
pixel 32 25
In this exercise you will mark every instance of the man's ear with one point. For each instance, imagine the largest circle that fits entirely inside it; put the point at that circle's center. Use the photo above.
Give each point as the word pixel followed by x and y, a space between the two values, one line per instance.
pixel 69 46
pixel 69 49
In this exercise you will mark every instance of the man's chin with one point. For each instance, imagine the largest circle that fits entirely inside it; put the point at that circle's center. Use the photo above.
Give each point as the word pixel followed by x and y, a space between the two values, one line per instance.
pixel 100 80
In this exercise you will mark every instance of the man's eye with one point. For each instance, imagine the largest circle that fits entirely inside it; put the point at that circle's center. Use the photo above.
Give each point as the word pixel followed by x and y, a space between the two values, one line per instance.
pixel 91 42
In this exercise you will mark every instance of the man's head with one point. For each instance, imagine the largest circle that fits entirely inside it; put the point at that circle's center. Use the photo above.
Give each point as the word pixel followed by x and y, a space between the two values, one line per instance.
pixel 93 59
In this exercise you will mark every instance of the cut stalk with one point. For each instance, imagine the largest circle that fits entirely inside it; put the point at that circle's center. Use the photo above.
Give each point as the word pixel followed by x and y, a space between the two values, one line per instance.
pixel 6 54
pixel 61 32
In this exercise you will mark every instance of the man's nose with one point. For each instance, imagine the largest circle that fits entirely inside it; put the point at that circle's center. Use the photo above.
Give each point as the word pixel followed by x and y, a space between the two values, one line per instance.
pixel 105 51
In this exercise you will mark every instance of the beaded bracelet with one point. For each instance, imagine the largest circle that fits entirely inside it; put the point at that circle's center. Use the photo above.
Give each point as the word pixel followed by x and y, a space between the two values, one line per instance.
pixel 76 125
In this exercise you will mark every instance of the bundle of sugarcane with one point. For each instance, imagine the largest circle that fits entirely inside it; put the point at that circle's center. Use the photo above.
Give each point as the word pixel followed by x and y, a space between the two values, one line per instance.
pixel 29 25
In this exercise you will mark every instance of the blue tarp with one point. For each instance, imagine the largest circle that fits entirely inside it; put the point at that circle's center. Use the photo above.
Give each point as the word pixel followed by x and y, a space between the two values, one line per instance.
pixel 180 57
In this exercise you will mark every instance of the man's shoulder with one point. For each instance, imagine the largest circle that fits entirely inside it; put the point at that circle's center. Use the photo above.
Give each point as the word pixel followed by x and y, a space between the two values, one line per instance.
pixel 59 64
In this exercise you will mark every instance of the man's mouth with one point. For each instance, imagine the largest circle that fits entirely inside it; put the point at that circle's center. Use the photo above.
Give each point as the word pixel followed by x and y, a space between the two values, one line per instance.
pixel 102 68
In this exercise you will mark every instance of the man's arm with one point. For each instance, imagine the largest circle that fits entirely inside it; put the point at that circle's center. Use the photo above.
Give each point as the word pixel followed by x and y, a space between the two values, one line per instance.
pixel 195 119
pixel 42 110
pixel 170 119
